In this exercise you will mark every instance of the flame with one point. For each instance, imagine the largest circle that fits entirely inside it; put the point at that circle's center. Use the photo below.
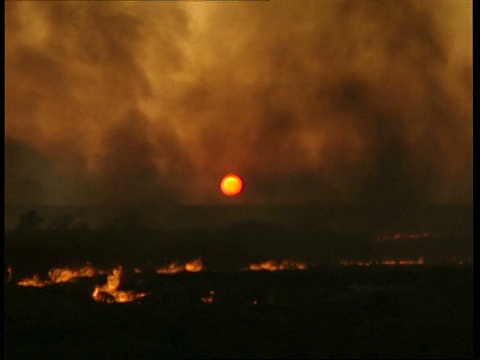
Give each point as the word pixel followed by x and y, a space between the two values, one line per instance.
pixel 273 265
pixel 137 270
pixel 400 236
pixel 60 275
pixel 175 267
pixel 110 292
pixel 357 263
pixel 208 299
pixel 419 261
pixel 172 268
pixel 194 266
pixel 34 281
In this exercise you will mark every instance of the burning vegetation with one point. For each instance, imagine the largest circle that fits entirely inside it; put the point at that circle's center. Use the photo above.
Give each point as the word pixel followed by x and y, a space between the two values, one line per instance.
pixel 177 267
pixel 208 299
pixel 273 265
pixel 111 292
pixel 61 275
pixel 400 236
pixel 419 261
pixel 34 281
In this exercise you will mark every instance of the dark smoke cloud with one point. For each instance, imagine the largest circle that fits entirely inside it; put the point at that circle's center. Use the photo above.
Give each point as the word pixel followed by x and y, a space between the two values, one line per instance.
pixel 320 101
pixel 133 167
pixel 32 178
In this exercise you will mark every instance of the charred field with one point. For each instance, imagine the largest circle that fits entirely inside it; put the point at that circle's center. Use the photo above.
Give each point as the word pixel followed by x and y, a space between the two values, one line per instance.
pixel 326 308
pixel 343 312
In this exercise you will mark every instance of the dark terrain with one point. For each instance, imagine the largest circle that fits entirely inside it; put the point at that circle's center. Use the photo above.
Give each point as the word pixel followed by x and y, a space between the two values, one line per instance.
pixel 326 311
pixel 344 312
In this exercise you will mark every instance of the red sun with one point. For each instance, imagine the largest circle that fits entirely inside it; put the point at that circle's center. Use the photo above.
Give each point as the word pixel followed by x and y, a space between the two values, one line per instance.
pixel 231 185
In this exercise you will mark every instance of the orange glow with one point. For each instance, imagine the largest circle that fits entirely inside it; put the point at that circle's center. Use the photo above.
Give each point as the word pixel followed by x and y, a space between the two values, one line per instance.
pixel 172 268
pixel 400 236
pixel 194 266
pixel 110 292
pixel 419 261
pixel 34 281
pixel 231 185
pixel 60 275
pixel 175 267
pixel 208 299
pixel 273 265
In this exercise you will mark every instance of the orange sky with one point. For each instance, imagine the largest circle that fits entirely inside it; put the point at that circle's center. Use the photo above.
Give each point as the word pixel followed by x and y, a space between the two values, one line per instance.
pixel 316 101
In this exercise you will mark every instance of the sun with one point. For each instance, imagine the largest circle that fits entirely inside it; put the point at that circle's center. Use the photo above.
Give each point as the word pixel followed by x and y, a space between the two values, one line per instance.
pixel 231 185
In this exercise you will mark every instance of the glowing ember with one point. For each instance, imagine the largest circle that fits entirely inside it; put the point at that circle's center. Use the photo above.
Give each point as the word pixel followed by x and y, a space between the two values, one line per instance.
pixel 110 291
pixel 175 267
pixel 208 299
pixel 172 268
pixel 194 266
pixel 272 265
pixel 59 275
pixel 419 261
pixel 34 281
pixel 400 236
pixel 137 270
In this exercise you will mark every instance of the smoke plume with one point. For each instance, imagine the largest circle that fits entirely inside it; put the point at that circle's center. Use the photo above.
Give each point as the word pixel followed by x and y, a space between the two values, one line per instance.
pixel 311 102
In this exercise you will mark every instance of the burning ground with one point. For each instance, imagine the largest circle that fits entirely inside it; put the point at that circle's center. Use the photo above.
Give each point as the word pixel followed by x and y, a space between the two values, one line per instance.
pixel 330 312
pixel 252 290
pixel 33 248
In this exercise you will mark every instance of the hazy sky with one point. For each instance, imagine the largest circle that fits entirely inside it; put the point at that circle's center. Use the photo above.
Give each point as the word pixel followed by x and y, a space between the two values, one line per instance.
pixel 310 101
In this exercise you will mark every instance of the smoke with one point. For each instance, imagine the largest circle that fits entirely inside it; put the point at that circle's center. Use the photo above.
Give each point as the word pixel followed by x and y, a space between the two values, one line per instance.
pixel 133 167
pixel 323 101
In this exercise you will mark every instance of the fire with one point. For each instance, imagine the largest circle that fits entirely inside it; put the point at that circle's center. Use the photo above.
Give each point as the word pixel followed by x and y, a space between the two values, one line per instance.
pixel 357 263
pixel 172 268
pixel 176 267
pixel 60 275
pixel 110 291
pixel 194 266
pixel 273 265
pixel 400 236
pixel 419 261
pixel 34 281
pixel 208 299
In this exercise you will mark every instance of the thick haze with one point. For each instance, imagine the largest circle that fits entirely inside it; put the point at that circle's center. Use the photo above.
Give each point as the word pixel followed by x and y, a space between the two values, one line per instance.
pixel 312 101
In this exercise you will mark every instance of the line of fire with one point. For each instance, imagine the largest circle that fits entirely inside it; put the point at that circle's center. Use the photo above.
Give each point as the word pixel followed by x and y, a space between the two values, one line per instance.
pixel 113 292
